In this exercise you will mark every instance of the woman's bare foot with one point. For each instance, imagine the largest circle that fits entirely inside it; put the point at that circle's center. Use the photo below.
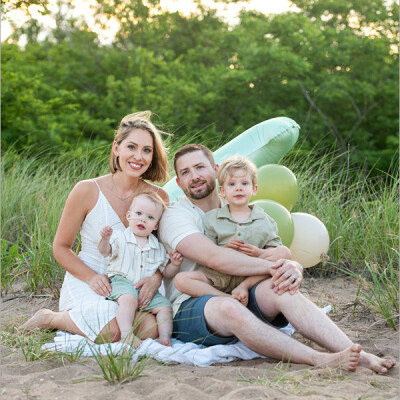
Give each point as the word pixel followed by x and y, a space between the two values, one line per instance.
pixel 375 363
pixel 165 341
pixel 41 320
pixel 346 359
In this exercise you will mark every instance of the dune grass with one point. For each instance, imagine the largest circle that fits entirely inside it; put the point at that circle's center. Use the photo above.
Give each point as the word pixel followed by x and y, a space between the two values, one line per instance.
pixel 360 212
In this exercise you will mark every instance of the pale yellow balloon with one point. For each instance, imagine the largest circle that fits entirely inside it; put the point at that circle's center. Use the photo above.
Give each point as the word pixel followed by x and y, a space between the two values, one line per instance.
pixel 310 242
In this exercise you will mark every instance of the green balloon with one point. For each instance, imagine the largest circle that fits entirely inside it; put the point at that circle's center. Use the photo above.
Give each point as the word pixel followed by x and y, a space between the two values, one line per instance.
pixel 278 183
pixel 282 218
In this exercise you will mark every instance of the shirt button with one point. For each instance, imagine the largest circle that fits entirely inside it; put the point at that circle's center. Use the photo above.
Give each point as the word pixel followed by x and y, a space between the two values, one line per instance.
pixel 240 224
pixel 239 234
pixel 141 266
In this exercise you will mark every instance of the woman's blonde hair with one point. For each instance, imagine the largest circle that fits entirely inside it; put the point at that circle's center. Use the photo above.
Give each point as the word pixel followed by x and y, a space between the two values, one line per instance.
pixel 158 170
pixel 232 164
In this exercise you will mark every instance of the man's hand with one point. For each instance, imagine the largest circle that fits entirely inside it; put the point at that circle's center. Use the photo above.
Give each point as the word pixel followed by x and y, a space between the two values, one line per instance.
pixel 287 275
pixel 241 294
pixel 100 284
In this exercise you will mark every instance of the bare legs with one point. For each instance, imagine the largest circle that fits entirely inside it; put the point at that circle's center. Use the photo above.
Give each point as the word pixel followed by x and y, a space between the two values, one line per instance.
pixel 196 284
pixel 47 319
pixel 304 316
pixel 164 323
pixel 127 305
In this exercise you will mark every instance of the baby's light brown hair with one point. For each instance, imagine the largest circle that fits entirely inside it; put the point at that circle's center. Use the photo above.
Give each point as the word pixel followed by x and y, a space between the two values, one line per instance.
pixel 230 165
pixel 153 197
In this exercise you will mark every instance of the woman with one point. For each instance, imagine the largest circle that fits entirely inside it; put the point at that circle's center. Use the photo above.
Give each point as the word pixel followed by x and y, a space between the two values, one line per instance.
pixel 137 153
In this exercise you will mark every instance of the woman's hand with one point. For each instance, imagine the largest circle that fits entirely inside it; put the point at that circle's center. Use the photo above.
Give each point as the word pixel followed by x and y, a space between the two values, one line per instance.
pixel 148 288
pixel 100 284
pixel 287 275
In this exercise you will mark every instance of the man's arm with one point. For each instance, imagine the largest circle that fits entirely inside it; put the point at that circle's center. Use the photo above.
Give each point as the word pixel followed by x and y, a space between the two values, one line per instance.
pixel 201 249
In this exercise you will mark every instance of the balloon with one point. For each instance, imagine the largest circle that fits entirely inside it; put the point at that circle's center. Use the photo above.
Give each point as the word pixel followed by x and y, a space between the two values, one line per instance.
pixel 311 240
pixel 282 218
pixel 278 183
pixel 264 143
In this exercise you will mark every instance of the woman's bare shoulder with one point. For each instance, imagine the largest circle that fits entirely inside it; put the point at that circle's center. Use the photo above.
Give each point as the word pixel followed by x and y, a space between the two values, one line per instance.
pixel 159 190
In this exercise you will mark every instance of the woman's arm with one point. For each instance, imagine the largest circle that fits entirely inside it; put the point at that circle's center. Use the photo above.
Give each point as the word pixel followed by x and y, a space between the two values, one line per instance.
pixel 81 199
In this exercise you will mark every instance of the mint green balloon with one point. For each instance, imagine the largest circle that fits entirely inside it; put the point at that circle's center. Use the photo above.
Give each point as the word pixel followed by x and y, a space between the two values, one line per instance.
pixel 266 142
pixel 278 183
pixel 282 218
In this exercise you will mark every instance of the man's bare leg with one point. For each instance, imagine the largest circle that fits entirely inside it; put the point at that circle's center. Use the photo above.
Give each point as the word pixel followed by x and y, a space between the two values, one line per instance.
pixel 311 322
pixel 269 341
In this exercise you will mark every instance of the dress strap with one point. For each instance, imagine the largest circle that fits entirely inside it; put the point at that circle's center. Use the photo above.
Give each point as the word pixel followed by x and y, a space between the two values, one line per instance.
pixel 93 180
pixel 104 204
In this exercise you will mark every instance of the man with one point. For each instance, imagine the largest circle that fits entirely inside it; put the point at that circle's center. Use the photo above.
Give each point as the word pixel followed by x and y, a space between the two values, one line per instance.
pixel 213 320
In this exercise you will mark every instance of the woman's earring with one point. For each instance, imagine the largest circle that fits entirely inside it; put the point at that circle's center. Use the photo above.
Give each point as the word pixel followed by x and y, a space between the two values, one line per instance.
pixel 151 164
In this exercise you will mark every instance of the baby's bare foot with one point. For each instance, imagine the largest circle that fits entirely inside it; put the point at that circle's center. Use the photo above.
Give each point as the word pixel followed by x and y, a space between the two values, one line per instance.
pixel 41 320
pixel 132 340
pixel 375 363
pixel 165 341
pixel 346 359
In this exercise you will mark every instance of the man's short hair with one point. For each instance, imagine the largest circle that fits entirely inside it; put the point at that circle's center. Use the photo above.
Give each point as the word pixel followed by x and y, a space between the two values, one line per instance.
pixel 190 148
pixel 230 165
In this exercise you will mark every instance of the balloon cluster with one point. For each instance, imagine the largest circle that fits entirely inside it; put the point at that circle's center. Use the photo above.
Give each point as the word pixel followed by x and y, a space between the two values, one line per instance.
pixel 265 144
pixel 304 234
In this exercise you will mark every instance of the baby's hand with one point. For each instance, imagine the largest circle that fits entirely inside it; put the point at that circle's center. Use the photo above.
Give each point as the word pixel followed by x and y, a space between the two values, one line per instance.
pixel 106 232
pixel 176 257
pixel 241 294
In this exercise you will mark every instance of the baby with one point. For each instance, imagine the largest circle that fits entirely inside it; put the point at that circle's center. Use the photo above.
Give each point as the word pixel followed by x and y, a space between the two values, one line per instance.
pixel 135 253
pixel 237 225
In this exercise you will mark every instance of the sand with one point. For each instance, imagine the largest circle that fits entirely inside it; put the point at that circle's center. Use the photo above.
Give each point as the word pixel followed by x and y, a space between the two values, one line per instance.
pixel 256 379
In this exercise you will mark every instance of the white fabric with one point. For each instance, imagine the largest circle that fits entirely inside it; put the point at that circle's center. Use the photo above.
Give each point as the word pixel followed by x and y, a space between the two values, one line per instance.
pixel 183 353
pixel 180 220
pixel 88 310
pixel 131 260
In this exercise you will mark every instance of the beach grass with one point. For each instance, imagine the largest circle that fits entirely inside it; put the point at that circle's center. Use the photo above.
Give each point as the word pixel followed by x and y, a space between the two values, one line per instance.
pixel 117 367
pixel 360 212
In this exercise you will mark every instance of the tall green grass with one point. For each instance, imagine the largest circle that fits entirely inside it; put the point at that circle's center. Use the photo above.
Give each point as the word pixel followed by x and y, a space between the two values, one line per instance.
pixel 360 212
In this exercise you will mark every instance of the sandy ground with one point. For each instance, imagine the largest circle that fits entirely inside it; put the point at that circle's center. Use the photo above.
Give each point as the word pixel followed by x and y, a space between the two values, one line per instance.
pixel 255 379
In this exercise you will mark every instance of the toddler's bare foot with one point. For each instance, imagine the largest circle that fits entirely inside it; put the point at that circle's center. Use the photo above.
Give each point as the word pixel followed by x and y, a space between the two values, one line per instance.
pixel 41 320
pixel 346 359
pixel 375 363
pixel 165 341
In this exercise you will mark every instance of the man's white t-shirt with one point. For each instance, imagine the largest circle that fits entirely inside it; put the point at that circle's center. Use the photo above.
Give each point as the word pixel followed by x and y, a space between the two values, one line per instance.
pixel 180 220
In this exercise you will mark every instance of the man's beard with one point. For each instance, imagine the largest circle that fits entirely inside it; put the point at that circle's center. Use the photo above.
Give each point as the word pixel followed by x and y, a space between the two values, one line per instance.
pixel 207 190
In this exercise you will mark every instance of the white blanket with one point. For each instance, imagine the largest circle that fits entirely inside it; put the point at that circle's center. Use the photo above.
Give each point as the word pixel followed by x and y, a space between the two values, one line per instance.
pixel 179 352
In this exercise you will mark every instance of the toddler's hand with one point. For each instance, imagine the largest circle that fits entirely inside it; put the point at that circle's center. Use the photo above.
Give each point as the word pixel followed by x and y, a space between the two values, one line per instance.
pixel 234 244
pixel 106 232
pixel 250 250
pixel 176 257
pixel 241 294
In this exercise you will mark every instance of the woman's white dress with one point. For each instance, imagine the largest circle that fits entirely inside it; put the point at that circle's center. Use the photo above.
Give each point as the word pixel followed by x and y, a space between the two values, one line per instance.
pixel 90 311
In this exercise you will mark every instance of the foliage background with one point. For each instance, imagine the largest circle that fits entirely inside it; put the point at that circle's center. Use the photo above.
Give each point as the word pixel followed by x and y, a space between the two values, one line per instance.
pixel 332 67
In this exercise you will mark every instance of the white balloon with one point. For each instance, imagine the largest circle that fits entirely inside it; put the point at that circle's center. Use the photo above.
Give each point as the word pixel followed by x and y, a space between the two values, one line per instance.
pixel 311 240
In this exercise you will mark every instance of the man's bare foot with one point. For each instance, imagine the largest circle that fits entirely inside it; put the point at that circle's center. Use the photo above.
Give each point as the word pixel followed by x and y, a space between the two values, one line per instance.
pixel 375 363
pixel 41 320
pixel 165 341
pixel 346 359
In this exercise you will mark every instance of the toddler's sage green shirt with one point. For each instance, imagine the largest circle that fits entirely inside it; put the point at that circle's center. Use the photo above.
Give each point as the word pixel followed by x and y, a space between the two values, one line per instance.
pixel 259 229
